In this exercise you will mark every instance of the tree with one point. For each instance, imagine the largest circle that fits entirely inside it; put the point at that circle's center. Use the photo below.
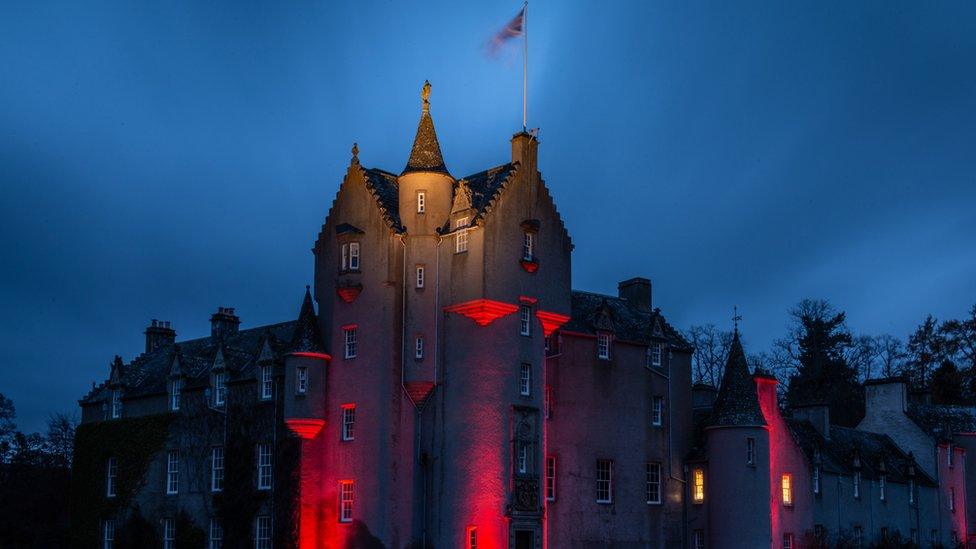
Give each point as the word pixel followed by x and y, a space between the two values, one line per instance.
pixel 711 351
pixel 61 438
pixel 7 426
pixel 889 355
pixel 819 343
pixel 947 384
pixel 926 350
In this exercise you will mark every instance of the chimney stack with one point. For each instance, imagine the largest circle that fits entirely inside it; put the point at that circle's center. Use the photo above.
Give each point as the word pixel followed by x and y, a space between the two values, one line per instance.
pixel 158 334
pixel 817 414
pixel 224 322
pixel 703 396
pixel 637 292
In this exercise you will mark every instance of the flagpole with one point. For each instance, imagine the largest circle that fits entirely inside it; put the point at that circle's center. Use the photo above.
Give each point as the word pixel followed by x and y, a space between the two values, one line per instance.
pixel 525 63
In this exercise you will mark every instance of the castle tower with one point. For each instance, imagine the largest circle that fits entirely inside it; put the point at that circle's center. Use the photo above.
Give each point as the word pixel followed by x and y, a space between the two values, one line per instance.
pixel 737 485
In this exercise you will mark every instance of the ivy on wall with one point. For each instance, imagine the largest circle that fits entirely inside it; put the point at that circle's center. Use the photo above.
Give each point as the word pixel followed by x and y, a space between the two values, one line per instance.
pixel 132 442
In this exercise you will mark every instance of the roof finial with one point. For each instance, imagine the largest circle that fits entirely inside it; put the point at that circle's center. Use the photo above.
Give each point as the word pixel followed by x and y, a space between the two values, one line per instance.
pixel 736 317
pixel 355 153
pixel 425 95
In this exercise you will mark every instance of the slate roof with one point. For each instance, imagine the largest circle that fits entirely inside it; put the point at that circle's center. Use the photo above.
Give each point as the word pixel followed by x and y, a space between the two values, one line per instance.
pixel 487 185
pixel 383 186
pixel 941 422
pixel 737 403
pixel 149 373
pixel 590 310
pixel 837 454
pixel 426 153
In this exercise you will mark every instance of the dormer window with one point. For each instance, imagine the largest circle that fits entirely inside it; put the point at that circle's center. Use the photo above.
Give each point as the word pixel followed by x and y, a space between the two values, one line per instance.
pixel 421 201
pixel 654 355
pixel 528 246
pixel 220 388
pixel 267 383
pixel 175 393
pixel 116 403
pixel 461 239
pixel 603 346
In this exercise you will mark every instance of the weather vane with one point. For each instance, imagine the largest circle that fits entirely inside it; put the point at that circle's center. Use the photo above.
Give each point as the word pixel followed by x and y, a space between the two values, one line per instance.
pixel 736 317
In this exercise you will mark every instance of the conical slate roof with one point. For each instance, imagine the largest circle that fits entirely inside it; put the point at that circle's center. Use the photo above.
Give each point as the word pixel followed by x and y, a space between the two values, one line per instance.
pixel 306 338
pixel 737 403
pixel 426 153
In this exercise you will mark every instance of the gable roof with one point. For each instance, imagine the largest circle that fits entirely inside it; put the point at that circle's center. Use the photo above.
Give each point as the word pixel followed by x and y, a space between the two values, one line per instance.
pixel 383 186
pixel 629 323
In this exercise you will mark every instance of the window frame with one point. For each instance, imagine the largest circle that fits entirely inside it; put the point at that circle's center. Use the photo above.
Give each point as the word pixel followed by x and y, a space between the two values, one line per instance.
pixel 788 541
pixel 699 538
pixel 550 478
pixel 267 382
pixel 169 533
pixel 217 469
pixel 346 499
pixel 301 380
pixel 525 379
pixel 108 534
pixel 883 487
pixel 355 259
pixel 265 466
pixel 418 348
pixel 172 473
pixel 817 479
pixel 528 246
pixel 522 458
pixel 116 404
pixel 856 481
pixel 461 235
pixel 220 389
pixel 348 426
pixel 421 202
pixel 175 394
pixel 698 486
pixel 603 346
pixel 655 353
pixel 604 481
pixel 652 480
pixel 111 477
pixel 471 537
pixel 350 339
pixel 215 534
pixel 751 451
pixel 525 321
pixel 420 272
pixel 786 489
pixel 657 410
pixel 263 532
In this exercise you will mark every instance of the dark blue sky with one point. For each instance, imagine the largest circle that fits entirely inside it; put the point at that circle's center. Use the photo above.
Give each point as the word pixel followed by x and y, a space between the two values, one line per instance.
pixel 159 161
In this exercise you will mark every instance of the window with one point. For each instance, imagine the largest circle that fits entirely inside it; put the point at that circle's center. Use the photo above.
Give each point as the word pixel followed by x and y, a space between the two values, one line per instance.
pixel 348 421
pixel 421 202
pixel 750 451
pixel 345 500
pixel 175 388
pixel 461 240
pixel 525 380
pixel 354 256
pixel 547 402
pixel 787 541
pixel 657 411
pixel 264 466
pixel 267 382
pixel 654 354
pixel 350 340
pixel 949 456
pixel 169 533
pixel 816 479
pixel 216 468
pixel 108 534
pixel 173 473
pixel 523 458
pixel 913 535
pixel 652 478
pixel 699 539
pixel 786 483
pixel 884 532
pixel 882 485
pixel 698 488
pixel 857 484
pixel 604 480
pixel 350 256
pixel 472 540
pixel 420 276
pixel 952 499
pixel 858 536
pixel 216 534
pixel 111 477
pixel 419 348
pixel 934 536
pixel 550 478
pixel 220 388
pixel 262 532
pixel 603 346
pixel 528 247
pixel 911 491
pixel 116 404
pixel 525 321
pixel 301 379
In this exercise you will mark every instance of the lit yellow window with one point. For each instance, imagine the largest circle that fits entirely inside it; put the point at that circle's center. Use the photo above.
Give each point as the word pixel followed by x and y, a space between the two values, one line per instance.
pixel 699 489
pixel 787 484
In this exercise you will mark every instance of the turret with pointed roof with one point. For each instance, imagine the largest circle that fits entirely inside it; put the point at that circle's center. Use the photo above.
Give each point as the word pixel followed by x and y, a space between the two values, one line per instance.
pixel 306 338
pixel 737 403
pixel 426 153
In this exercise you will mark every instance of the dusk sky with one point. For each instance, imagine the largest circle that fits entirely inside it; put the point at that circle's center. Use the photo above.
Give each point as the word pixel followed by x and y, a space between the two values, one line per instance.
pixel 159 161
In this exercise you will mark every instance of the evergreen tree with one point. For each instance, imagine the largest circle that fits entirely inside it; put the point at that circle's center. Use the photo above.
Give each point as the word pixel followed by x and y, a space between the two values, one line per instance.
pixel 947 384
pixel 820 341
pixel 926 350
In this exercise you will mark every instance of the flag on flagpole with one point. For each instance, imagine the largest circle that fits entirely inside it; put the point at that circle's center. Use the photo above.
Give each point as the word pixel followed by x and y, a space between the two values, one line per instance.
pixel 514 29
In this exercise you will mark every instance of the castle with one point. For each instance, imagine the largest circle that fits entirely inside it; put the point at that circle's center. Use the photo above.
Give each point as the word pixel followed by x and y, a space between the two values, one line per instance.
pixel 443 386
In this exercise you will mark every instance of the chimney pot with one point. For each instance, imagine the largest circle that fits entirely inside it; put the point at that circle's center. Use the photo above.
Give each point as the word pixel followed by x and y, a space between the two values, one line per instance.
pixel 224 322
pixel 159 334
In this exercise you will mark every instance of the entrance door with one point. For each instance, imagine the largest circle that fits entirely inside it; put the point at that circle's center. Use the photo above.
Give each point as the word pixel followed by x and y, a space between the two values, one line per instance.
pixel 524 539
